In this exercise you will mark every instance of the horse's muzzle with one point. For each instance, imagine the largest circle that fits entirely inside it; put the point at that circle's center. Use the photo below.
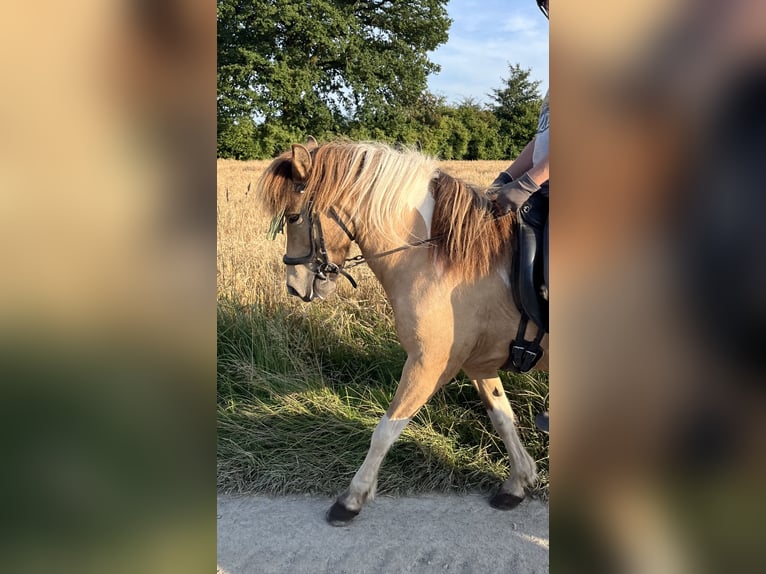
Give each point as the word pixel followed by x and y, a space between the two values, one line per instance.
pixel 292 291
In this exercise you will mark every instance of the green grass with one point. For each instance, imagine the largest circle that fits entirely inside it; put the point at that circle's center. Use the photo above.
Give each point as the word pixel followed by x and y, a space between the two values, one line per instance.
pixel 302 386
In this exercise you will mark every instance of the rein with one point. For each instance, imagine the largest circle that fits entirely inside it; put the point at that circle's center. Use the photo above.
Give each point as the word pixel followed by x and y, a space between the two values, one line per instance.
pixel 361 259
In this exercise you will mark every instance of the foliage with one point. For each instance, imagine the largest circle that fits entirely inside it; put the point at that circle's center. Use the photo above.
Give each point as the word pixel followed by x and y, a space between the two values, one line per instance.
pixel 309 66
pixel 237 138
pixel 332 69
pixel 517 107
pixel 483 131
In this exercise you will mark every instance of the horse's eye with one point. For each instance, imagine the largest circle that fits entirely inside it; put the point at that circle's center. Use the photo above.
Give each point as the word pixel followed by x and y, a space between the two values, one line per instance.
pixel 294 218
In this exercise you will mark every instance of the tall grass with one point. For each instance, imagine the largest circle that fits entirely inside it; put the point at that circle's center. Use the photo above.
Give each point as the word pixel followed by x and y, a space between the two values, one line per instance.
pixel 302 386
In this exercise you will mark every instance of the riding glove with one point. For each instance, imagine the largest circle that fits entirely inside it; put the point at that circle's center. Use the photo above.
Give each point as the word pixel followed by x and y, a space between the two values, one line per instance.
pixel 512 195
pixel 499 182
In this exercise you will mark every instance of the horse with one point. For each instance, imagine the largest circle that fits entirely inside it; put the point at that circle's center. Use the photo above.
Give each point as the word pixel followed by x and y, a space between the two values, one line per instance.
pixel 443 261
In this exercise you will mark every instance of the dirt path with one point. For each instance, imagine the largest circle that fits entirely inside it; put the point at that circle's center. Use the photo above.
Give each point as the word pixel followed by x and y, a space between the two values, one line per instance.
pixel 435 533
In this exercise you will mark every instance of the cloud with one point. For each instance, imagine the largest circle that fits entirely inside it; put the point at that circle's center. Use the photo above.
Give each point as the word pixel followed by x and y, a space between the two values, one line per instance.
pixel 520 23
pixel 484 39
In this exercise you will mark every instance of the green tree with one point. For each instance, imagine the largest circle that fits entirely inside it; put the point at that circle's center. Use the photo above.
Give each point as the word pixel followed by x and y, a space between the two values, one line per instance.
pixel 483 127
pixel 310 67
pixel 517 107
pixel 236 138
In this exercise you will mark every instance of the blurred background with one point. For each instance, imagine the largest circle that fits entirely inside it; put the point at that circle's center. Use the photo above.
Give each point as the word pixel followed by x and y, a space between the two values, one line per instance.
pixel 107 313
pixel 107 172
pixel 659 285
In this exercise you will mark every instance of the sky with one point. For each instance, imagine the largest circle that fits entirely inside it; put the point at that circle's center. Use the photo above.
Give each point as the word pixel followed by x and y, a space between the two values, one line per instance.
pixel 485 37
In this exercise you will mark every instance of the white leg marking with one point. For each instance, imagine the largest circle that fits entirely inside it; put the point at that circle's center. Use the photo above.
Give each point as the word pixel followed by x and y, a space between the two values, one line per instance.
pixel 363 484
pixel 523 468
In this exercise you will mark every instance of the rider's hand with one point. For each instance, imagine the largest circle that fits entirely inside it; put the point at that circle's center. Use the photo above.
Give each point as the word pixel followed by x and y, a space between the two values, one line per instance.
pixel 499 182
pixel 512 195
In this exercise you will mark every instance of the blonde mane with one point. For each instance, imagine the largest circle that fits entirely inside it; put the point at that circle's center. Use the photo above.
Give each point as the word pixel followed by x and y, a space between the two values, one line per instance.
pixel 378 184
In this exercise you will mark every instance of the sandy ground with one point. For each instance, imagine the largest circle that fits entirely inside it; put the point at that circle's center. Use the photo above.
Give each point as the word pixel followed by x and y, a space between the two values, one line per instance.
pixel 434 533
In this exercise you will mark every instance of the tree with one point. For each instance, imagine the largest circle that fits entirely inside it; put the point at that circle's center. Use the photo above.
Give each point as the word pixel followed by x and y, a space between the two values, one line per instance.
pixel 484 141
pixel 517 106
pixel 312 66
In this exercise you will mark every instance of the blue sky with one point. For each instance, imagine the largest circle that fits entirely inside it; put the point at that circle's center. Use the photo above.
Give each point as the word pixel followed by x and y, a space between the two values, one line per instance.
pixel 485 37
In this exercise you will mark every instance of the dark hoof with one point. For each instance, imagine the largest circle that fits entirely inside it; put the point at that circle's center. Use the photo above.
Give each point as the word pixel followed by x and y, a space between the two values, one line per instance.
pixel 505 501
pixel 339 515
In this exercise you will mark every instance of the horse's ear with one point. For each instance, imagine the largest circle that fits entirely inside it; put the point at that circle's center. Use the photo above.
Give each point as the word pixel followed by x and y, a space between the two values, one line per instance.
pixel 311 142
pixel 301 162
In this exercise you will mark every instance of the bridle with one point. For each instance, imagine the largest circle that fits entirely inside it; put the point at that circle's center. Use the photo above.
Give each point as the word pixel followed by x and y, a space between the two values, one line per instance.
pixel 317 257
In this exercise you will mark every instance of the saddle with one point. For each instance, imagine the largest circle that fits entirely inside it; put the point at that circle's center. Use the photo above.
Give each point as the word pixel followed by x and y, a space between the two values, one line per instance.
pixel 530 294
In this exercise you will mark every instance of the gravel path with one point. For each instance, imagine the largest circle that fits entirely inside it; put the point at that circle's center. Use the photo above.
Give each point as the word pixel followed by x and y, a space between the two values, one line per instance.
pixel 433 533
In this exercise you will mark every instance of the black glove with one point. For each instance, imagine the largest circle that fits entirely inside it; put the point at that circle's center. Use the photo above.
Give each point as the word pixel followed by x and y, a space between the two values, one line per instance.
pixel 512 195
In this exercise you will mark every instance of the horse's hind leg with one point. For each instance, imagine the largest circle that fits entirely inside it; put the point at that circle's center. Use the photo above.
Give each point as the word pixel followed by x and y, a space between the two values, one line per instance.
pixel 523 468
pixel 415 388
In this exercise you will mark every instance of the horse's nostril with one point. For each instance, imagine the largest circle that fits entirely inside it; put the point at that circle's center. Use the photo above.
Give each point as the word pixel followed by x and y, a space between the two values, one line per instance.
pixel 291 291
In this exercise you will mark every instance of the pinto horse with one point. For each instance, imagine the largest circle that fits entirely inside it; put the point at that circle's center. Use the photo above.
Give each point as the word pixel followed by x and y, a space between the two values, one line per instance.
pixel 443 261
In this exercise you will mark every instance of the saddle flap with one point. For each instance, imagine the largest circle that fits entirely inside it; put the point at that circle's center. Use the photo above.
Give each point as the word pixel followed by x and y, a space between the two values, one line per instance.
pixel 530 291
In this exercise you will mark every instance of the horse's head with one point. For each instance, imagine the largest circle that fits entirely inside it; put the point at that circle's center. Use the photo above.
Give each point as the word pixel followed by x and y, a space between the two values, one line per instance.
pixel 317 243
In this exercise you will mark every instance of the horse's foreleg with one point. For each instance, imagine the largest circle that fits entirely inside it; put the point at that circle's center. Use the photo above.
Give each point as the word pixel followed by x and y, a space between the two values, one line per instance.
pixel 523 468
pixel 415 388
pixel 363 484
